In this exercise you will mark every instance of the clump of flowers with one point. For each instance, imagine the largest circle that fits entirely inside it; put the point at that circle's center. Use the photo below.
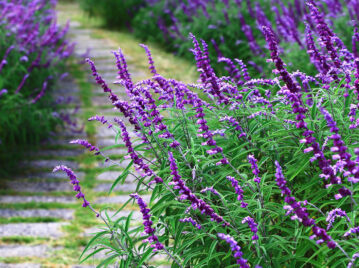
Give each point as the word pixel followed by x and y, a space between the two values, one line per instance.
pixel 208 139
pixel 147 223
pixel 74 181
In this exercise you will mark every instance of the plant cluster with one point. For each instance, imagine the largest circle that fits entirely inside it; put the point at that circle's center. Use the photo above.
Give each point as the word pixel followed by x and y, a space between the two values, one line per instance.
pixel 231 28
pixel 242 172
pixel 33 49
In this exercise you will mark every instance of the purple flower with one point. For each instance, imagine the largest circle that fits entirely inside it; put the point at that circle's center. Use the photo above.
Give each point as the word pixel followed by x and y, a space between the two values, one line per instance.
pixel 26 76
pixel 4 61
pixel 333 214
pixel 3 91
pixel 100 119
pixel 300 213
pixel 326 34
pixel 74 181
pixel 41 93
pixel 194 223
pixel 123 70
pixel 210 189
pixel 351 231
pixel 238 190
pixel 140 164
pixel 147 223
pixel 87 145
pixel 123 106
pixel 24 59
pixel 354 257
pixel 236 249
pixel 150 60
pixel 232 69
pixel 186 193
pixel 252 225
pixel 208 76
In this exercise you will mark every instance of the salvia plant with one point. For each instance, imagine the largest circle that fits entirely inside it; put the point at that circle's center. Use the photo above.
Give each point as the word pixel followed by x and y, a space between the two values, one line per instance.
pixel 230 27
pixel 242 172
pixel 33 50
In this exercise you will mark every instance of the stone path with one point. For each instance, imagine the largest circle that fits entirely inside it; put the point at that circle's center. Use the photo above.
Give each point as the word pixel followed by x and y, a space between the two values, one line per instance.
pixel 41 222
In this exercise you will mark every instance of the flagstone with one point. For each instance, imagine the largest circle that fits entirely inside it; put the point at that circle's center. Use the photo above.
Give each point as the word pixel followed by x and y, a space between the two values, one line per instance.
pixel 39 186
pixel 49 164
pixel 10 199
pixel 50 230
pixel 58 153
pixel 50 175
pixel 20 265
pixel 26 251
pixel 66 214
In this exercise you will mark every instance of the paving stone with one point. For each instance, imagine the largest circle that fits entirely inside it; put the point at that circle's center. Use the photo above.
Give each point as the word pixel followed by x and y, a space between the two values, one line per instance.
pixel 97 53
pixel 113 175
pixel 50 175
pixel 25 251
pixel 105 187
pixel 40 186
pixel 78 31
pixel 66 214
pixel 74 24
pixel 50 230
pixel 58 153
pixel 20 265
pixel 49 164
pixel 119 199
pixel 9 199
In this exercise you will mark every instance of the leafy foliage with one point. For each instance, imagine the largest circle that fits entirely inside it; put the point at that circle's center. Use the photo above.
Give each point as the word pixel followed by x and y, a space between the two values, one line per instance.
pixel 30 65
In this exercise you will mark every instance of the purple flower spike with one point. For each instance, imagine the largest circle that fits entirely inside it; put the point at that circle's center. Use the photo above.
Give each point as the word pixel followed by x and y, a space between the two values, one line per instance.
pixel 210 189
pixel 194 223
pixel 74 181
pixel 140 164
pixel 254 166
pixel 300 213
pixel 187 194
pixel 238 189
pixel 87 145
pixel 253 225
pixel 100 119
pixel 147 223
pixel 3 91
pixel 335 213
pixel 150 60
pixel 236 249
pixel 354 257
pixel 351 231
